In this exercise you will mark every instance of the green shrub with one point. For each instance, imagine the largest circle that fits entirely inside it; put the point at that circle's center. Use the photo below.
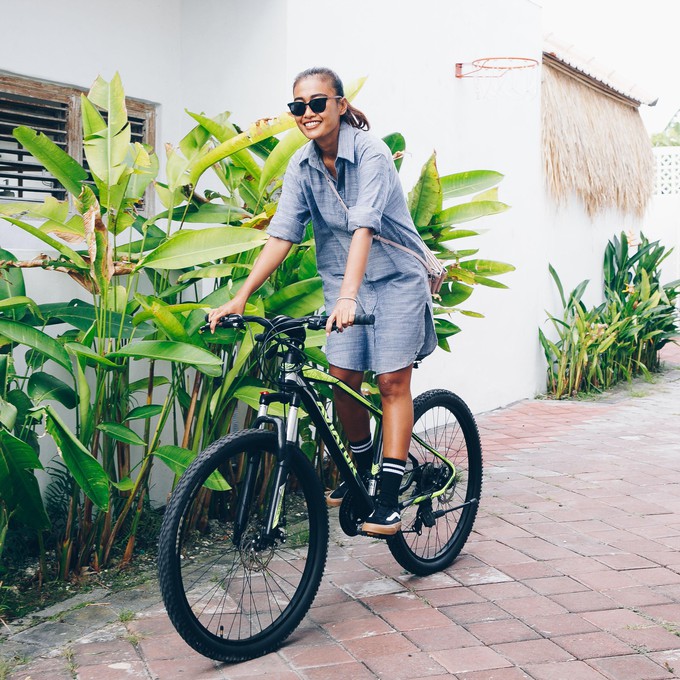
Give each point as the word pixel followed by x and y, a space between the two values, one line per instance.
pixel 620 338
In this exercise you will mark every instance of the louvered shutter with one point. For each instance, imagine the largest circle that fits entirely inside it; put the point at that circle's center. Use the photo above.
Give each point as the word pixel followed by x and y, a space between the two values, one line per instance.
pixel 22 178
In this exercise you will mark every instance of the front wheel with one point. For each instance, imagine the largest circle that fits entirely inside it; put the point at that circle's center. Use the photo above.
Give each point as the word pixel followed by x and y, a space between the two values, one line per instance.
pixel 434 530
pixel 232 590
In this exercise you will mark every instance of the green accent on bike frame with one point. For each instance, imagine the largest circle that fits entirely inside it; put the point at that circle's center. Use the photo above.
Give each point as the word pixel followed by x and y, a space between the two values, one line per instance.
pixel 452 479
pixel 279 506
pixel 375 469
pixel 315 375
pixel 337 438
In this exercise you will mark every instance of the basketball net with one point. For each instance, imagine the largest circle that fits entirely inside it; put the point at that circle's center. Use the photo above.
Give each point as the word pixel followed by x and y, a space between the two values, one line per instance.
pixel 502 77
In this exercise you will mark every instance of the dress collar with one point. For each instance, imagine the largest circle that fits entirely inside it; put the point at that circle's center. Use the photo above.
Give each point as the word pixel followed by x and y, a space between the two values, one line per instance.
pixel 345 148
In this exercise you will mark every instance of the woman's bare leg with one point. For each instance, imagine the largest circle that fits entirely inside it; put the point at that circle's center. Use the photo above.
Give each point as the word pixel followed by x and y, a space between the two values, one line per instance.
pixel 397 405
pixel 353 416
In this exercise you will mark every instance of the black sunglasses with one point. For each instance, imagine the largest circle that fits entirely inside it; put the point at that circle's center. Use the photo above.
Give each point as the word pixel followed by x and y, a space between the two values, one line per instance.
pixel 317 105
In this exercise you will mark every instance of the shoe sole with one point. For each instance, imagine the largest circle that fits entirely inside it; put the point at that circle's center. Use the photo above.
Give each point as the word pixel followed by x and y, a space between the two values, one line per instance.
pixel 380 530
pixel 333 502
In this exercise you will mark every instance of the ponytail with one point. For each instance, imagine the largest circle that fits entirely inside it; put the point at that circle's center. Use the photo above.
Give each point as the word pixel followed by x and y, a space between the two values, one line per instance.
pixel 352 116
pixel 355 118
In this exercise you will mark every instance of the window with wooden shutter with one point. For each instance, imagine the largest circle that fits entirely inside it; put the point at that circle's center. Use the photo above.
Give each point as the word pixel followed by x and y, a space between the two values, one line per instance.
pixel 53 110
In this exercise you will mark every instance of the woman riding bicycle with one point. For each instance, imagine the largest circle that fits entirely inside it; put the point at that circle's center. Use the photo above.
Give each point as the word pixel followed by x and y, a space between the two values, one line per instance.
pixel 347 185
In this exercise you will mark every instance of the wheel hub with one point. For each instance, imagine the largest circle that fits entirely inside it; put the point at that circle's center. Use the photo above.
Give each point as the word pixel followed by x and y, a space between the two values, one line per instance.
pixel 255 553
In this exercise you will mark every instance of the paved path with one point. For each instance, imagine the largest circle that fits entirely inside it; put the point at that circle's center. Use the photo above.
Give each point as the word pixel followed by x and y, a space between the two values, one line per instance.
pixel 572 573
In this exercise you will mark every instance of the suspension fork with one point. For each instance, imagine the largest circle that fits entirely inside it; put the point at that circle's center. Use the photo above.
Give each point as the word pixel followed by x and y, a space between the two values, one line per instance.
pixel 286 434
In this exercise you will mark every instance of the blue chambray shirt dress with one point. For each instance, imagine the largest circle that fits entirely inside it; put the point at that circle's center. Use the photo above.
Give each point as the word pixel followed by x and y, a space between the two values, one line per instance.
pixel 395 287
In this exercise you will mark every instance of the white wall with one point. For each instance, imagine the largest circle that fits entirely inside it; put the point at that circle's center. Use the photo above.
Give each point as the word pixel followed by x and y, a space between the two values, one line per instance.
pixel 408 51
pixel 212 55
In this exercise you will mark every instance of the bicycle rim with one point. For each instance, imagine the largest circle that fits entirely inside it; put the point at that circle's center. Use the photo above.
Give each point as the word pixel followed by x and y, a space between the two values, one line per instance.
pixel 234 595
pixel 433 532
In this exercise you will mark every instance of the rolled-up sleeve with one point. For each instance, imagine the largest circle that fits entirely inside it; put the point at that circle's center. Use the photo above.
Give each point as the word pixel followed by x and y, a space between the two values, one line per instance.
pixel 374 191
pixel 292 213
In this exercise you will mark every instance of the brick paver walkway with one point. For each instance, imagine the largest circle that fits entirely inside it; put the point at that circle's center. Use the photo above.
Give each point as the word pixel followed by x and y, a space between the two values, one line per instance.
pixel 572 572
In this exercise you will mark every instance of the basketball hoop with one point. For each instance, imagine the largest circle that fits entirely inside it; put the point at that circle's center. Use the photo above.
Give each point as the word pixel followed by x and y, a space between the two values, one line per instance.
pixel 518 74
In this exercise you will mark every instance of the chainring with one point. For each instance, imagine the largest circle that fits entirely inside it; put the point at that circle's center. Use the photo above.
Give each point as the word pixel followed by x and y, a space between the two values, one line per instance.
pixel 350 516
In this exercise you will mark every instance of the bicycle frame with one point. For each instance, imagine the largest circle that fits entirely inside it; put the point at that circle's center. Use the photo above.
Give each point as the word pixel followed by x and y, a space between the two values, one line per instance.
pixel 296 391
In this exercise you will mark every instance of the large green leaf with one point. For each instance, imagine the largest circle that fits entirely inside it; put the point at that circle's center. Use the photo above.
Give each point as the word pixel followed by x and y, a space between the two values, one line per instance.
pixel 222 130
pixel 83 315
pixel 62 249
pixel 397 145
pixel 55 160
pixel 217 271
pixel 32 337
pixel 204 361
pixel 11 279
pixel 142 385
pixel 166 320
pixel 121 433
pixel 277 162
pixel 145 166
pixel 179 459
pixel 20 303
pixel 487 267
pixel 206 213
pixel 106 149
pixel 188 248
pixel 8 414
pixel 458 292
pixel 79 350
pixel 260 130
pixel 44 386
pixel 465 212
pixel 466 183
pixel 19 488
pixel 425 199
pixel 110 96
pixel 85 469
pixel 296 299
pixel 144 412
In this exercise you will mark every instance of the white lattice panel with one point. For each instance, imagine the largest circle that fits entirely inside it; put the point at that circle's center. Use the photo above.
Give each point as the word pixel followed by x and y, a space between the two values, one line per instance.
pixel 667 175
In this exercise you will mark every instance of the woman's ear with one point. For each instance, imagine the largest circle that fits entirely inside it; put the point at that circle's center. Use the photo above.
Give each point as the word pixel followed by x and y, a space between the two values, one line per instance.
pixel 344 104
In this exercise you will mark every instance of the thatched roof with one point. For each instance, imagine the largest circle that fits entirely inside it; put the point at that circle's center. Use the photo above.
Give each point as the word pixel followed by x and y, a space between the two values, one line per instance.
pixel 594 142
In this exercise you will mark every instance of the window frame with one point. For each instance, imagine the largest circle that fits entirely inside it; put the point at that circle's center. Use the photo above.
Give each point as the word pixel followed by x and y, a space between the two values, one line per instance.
pixel 70 95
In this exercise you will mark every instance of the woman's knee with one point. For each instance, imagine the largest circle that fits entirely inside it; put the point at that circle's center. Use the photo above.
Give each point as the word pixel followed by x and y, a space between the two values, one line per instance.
pixel 395 385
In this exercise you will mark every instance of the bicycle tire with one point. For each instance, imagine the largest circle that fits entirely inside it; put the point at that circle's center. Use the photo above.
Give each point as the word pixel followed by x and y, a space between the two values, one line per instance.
pixel 229 599
pixel 444 422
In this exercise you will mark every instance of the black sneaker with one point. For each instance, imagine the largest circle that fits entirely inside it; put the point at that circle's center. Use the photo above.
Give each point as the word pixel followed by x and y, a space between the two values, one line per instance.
pixel 385 520
pixel 334 498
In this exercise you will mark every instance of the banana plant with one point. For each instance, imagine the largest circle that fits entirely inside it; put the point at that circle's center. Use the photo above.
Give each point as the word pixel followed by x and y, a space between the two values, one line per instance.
pixel 147 282
pixel 439 227
pixel 620 338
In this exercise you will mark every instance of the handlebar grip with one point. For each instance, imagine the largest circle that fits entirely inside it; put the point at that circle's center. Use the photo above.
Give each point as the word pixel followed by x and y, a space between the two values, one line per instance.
pixel 364 319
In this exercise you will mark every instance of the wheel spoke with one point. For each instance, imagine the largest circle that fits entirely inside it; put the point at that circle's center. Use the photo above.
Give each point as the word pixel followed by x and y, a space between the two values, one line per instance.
pixel 255 590
pixel 444 424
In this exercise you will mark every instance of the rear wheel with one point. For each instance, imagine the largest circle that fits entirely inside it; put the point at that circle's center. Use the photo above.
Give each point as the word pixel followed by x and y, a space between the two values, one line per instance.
pixel 434 530
pixel 232 592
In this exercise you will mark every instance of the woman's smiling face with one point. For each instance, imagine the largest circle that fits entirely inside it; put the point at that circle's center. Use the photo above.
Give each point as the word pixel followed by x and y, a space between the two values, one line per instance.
pixel 320 127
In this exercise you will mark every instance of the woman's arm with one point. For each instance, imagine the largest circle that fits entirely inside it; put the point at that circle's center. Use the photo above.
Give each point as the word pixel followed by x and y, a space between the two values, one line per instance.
pixel 357 259
pixel 272 255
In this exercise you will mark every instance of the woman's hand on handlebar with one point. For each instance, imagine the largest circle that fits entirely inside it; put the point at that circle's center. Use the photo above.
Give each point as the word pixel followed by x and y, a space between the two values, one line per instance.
pixel 343 315
pixel 234 306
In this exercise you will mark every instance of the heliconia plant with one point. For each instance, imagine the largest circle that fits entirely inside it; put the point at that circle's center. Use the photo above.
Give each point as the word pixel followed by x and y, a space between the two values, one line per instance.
pixel 120 377
pixel 596 348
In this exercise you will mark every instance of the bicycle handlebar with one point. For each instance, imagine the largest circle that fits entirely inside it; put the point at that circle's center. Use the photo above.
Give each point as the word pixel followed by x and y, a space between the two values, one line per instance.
pixel 281 324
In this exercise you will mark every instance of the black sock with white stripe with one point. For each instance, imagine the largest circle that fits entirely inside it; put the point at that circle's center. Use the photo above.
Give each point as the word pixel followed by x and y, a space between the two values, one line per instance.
pixel 363 454
pixel 392 472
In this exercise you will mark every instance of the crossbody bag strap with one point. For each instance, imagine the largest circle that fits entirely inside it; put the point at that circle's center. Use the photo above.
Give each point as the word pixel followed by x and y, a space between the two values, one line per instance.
pixel 377 237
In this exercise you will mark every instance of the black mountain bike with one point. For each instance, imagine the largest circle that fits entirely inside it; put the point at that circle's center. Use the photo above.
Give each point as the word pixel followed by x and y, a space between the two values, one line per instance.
pixel 244 538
